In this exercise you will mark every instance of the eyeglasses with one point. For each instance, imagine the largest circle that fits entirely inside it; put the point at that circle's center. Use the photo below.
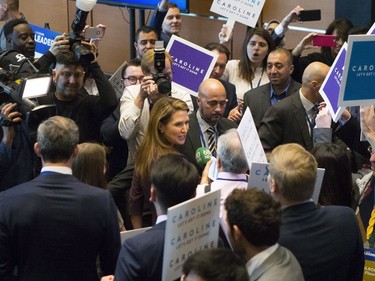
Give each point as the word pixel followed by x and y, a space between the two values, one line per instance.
pixel 133 79
pixel 76 75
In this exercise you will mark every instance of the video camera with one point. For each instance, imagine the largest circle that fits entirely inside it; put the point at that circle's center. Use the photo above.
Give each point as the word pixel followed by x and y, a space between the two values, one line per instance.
pixel 162 81
pixel 83 55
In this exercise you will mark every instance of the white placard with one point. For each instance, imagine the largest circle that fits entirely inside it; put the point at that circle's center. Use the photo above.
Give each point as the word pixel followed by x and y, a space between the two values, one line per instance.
pixel 125 235
pixel 191 226
pixel 246 12
pixel 116 82
pixel 250 140
pixel 259 173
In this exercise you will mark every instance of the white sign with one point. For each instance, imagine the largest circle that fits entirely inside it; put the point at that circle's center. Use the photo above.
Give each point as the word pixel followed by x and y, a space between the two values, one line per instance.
pixel 125 235
pixel 259 174
pixel 246 12
pixel 116 82
pixel 191 226
pixel 250 141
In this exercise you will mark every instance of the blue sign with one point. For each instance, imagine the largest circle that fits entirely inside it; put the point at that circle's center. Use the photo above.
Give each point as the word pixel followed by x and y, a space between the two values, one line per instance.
pixel 43 39
pixel 358 81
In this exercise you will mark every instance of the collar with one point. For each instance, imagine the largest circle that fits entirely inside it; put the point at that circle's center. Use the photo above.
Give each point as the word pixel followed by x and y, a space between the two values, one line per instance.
pixel 57 169
pixel 283 93
pixel 203 124
pixel 231 176
pixel 259 258
pixel 308 105
pixel 161 218
pixel 299 203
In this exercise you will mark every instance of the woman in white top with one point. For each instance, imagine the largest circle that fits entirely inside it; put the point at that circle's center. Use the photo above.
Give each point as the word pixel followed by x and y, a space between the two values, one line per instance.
pixel 250 71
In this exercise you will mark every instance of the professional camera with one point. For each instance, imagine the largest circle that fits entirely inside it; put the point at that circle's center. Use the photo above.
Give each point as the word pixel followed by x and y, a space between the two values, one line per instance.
pixel 83 55
pixel 162 81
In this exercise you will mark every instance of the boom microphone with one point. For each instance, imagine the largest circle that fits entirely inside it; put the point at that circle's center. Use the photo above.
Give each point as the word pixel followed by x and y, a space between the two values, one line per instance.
pixel 202 156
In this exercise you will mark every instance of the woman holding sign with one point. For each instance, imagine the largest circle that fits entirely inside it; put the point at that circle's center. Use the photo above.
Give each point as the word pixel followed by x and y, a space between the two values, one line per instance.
pixel 167 127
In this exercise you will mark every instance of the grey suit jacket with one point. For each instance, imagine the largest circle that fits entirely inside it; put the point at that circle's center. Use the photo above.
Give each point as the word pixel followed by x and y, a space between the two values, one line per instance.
pixel 258 99
pixel 285 122
pixel 280 265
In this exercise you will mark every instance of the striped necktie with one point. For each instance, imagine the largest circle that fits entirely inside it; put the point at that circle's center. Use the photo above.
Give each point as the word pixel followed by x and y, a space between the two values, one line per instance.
pixel 211 140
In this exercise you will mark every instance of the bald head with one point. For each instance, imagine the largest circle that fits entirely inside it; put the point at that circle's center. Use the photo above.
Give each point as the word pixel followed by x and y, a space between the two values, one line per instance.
pixel 211 100
pixel 312 80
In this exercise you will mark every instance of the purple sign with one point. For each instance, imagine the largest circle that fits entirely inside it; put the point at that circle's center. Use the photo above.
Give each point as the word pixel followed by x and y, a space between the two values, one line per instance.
pixel 191 64
pixel 330 89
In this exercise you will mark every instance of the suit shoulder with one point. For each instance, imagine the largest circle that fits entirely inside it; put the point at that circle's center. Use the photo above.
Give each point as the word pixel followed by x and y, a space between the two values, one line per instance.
pixel 227 124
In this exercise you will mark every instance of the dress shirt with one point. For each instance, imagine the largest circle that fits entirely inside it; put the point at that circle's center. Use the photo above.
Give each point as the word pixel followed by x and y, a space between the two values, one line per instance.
pixel 57 169
pixel 276 97
pixel 204 129
pixel 309 109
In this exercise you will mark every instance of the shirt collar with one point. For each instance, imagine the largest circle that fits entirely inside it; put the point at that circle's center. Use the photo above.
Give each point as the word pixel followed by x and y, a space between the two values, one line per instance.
pixel 231 176
pixel 161 218
pixel 203 124
pixel 259 258
pixel 57 169
pixel 273 94
pixel 308 105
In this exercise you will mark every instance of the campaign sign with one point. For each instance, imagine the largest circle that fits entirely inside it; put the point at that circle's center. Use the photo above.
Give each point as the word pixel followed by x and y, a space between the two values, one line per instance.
pixel 43 39
pixel 191 226
pixel 259 174
pixel 191 64
pixel 369 271
pixel 330 89
pixel 358 82
pixel 244 11
pixel 371 30
pixel 250 141
pixel 116 82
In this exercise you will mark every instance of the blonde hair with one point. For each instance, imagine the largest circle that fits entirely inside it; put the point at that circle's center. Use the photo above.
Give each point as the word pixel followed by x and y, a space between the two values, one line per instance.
pixel 148 60
pixel 89 164
pixel 154 143
pixel 293 169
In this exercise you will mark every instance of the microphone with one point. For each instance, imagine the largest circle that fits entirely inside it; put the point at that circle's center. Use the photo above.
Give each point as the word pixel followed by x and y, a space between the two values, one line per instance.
pixel 202 156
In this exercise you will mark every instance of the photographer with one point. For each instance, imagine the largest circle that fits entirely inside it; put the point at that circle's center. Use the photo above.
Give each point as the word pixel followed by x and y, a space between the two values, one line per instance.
pixel 137 100
pixel 16 153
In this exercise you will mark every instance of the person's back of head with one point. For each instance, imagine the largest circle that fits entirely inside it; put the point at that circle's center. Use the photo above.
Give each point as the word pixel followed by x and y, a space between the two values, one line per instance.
pixel 57 139
pixel 174 180
pixel 231 154
pixel 337 181
pixel 148 60
pixel 293 173
pixel 89 164
pixel 255 214
pixel 214 265
pixel 222 49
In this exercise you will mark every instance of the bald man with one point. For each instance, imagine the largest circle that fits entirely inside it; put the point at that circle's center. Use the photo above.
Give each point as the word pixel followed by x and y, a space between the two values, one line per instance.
pixel 208 122
pixel 292 119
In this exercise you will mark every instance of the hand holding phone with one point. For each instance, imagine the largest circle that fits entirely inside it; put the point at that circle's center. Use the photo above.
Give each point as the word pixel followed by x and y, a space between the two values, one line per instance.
pixel 94 32
pixel 309 15
pixel 324 40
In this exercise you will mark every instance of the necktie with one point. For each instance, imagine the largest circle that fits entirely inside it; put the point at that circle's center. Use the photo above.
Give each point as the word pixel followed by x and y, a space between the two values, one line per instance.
pixel 211 140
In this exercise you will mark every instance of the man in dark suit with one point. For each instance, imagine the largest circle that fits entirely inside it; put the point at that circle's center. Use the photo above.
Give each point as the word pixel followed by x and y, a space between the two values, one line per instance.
pixel 325 240
pixel 254 220
pixel 174 180
pixel 218 70
pixel 292 119
pixel 49 228
pixel 211 102
pixel 281 85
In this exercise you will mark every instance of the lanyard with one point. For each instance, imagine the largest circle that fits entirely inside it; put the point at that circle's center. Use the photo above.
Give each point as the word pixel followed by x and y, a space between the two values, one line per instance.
pixel 260 79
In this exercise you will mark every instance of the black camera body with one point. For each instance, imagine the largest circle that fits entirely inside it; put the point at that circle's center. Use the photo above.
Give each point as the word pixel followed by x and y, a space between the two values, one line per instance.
pixel 162 81
pixel 83 55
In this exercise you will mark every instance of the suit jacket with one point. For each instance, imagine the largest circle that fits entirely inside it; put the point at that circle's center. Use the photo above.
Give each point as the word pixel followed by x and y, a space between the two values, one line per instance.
pixel 230 90
pixel 54 227
pixel 193 140
pixel 258 99
pixel 285 122
pixel 280 265
pixel 325 240
pixel 141 257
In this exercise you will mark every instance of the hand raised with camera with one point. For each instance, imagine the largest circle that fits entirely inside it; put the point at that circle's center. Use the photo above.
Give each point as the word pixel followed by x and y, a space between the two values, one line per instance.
pixel 8 131
pixel 60 45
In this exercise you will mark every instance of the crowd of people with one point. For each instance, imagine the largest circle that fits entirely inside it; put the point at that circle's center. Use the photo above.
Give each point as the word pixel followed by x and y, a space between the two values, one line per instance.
pixel 83 165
